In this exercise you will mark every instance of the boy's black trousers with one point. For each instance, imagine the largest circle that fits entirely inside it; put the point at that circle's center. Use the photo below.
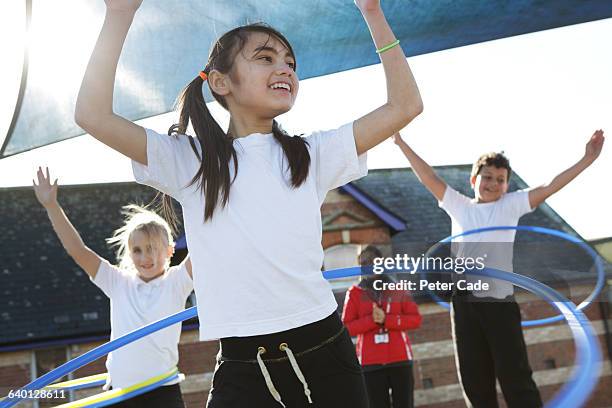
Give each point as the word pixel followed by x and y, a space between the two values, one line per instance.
pixel 489 344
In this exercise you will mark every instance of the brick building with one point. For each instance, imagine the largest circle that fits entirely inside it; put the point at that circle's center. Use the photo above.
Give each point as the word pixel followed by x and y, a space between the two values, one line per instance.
pixel 50 312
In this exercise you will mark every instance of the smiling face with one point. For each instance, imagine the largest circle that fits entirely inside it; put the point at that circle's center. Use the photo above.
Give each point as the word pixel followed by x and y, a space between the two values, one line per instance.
pixel 262 81
pixel 149 254
pixel 490 183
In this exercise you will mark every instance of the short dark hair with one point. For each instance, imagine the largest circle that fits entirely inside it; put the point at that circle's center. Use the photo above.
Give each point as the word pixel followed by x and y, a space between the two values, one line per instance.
pixel 366 257
pixel 491 159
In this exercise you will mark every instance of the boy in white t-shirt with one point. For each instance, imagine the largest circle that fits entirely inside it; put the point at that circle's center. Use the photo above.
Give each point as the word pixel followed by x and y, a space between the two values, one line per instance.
pixel 487 324
pixel 142 289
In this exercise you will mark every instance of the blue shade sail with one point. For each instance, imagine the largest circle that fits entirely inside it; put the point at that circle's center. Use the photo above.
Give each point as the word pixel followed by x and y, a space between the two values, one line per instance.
pixel 169 42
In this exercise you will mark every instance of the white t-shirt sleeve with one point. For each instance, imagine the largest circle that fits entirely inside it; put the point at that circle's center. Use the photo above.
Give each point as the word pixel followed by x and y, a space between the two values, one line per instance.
pixel 334 159
pixel 107 277
pixel 453 202
pixel 182 282
pixel 517 203
pixel 171 163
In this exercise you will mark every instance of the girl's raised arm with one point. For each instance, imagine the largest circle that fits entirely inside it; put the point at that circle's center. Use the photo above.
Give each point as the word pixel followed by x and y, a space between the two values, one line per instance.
pixel 403 99
pixel 46 193
pixel 94 107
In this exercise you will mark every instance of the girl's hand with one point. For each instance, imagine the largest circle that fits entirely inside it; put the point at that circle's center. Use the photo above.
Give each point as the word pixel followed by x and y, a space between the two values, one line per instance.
pixel 123 5
pixel 46 193
pixel 594 146
pixel 367 5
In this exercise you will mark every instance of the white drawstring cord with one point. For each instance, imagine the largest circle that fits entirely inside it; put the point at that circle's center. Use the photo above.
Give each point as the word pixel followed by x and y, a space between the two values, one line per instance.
pixel 296 368
pixel 266 374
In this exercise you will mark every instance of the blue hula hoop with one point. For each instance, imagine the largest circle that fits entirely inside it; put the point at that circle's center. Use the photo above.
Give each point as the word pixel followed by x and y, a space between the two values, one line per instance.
pixel 538 230
pixel 101 351
pixel 573 394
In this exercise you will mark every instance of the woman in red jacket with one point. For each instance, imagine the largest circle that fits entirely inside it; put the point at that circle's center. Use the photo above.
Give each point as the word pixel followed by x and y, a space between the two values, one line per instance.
pixel 380 320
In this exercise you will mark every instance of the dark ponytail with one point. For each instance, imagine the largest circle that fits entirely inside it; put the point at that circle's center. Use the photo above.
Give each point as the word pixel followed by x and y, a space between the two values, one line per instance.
pixel 213 177
pixel 296 152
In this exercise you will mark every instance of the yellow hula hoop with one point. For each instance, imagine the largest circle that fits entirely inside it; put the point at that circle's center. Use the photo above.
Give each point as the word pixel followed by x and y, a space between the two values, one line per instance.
pixel 84 382
pixel 122 393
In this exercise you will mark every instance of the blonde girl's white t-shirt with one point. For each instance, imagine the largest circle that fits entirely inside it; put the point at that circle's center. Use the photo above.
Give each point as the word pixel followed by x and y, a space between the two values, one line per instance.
pixel 135 303
pixel 496 247
pixel 257 263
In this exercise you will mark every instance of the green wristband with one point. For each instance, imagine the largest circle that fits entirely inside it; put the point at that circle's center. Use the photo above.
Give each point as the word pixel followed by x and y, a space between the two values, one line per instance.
pixel 387 47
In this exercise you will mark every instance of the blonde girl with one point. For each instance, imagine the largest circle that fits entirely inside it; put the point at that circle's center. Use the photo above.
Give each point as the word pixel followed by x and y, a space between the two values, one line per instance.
pixel 143 288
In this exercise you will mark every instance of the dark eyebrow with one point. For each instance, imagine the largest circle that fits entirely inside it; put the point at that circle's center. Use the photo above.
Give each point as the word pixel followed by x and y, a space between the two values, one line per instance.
pixel 271 49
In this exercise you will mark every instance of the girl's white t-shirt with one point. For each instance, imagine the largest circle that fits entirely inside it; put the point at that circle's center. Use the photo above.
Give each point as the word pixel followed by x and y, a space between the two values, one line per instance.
pixel 257 263
pixel 135 303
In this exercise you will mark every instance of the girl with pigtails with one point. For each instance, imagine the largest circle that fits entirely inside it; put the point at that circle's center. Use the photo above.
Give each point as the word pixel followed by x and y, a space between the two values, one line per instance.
pixel 251 198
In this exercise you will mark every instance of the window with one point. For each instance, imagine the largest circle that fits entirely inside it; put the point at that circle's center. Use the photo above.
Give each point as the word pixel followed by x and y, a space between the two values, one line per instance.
pixel 550 364
pixel 342 256
pixel 427 383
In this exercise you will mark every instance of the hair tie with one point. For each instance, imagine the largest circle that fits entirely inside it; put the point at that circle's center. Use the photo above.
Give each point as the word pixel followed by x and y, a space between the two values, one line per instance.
pixel 203 76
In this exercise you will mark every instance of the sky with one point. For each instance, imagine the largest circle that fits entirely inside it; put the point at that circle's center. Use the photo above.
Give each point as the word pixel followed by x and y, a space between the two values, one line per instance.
pixel 538 97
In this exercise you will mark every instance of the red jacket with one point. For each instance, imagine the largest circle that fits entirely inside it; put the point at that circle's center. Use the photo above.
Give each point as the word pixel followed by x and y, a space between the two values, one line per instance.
pixel 401 314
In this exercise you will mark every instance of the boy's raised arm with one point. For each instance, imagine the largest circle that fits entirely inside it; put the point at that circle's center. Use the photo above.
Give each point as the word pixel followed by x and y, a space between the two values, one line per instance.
pixel 424 172
pixel 94 107
pixel 403 98
pixel 593 148
pixel 46 193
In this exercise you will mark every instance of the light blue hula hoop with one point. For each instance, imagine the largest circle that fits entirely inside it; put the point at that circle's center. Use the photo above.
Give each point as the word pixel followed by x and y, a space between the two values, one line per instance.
pixel 538 230
pixel 573 394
